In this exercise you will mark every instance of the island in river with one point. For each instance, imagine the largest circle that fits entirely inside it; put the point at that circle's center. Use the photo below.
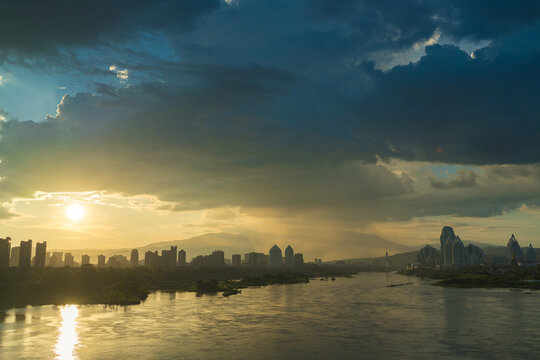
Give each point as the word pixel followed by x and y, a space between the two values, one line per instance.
pixel 482 277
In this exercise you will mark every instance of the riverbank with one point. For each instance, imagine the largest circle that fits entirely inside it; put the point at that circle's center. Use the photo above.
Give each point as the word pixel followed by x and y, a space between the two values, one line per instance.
pixel 522 278
pixel 131 286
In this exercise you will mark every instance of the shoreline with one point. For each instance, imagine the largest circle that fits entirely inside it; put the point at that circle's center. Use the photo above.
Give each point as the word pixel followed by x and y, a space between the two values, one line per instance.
pixel 475 278
pixel 131 286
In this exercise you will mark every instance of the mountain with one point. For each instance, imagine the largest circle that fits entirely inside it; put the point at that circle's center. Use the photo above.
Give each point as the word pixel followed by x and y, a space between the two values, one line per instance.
pixel 204 244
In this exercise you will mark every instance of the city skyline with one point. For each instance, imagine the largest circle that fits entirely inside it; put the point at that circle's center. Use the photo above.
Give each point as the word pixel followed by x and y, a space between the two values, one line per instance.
pixel 167 258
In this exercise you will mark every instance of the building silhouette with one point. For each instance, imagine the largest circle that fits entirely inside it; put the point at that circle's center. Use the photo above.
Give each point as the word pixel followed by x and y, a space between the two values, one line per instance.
pixel 254 259
pixel 41 255
pixel 289 257
pixel 152 258
pixel 14 259
pixel 69 260
pixel 182 258
pixel 513 250
pixel 56 259
pixel 530 255
pixel 168 257
pixel 134 260
pixel 274 257
pixel 5 252
pixel 118 261
pixel 217 258
pixel 101 260
pixel 85 260
pixel 298 260
pixel 236 260
pixel 25 254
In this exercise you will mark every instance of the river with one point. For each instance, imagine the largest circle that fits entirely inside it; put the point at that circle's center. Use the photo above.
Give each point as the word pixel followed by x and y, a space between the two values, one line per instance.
pixel 356 318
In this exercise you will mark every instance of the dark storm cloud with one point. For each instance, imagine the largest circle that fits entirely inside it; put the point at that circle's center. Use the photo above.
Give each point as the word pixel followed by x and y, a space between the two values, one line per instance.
pixel 35 27
pixel 452 108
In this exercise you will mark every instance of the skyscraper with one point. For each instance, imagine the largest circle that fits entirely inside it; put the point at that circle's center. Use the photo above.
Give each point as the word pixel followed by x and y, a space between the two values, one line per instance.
pixel 289 257
pixel 134 260
pixel 217 258
pixel 298 260
pixel 182 258
pixel 514 250
pixel 56 259
pixel 85 260
pixel 25 254
pixel 275 258
pixel 236 260
pixel 101 260
pixel 41 251
pixel 68 260
pixel 5 252
pixel 15 252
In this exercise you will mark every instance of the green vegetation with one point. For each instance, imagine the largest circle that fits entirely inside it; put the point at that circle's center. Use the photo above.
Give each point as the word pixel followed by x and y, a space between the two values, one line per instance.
pixel 91 285
pixel 480 277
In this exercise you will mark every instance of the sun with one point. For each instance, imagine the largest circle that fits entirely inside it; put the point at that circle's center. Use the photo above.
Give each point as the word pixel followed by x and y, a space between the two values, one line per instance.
pixel 75 212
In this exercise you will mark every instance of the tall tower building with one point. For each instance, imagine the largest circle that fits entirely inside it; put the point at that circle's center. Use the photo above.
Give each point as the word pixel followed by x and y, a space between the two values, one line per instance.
pixel 236 260
pixel 5 252
pixel 134 260
pixel 298 260
pixel 274 257
pixel 85 260
pixel 289 257
pixel 101 260
pixel 182 258
pixel 25 254
pixel 15 252
pixel 41 251
pixel 68 260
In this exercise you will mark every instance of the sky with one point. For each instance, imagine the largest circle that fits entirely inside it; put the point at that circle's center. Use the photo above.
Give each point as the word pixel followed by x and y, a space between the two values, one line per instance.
pixel 310 122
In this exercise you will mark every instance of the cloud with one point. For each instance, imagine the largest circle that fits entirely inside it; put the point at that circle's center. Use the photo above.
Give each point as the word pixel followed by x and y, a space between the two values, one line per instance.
pixel 451 108
pixel 464 178
pixel 24 31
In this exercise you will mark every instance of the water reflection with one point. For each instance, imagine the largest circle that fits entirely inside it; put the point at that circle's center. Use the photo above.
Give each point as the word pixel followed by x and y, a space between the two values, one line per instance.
pixel 68 338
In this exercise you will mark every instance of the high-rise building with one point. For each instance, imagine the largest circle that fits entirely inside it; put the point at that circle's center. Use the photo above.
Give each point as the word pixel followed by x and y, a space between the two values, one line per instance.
pixel 236 260
pixel 254 259
pixel 274 256
pixel 530 255
pixel 85 260
pixel 41 253
pixel 134 260
pixel 513 250
pixel 14 259
pixel 101 260
pixel 25 254
pixel 56 259
pixel 118 261
pixel 298 260
pixel 289 257
pixel 217 258
pixel 5 252
pixel 69 260
pixel 151 258
pixel 182 258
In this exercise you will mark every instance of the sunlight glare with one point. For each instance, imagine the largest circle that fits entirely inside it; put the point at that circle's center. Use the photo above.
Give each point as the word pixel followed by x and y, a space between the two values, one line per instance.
pixel 75 212
pixel 68 338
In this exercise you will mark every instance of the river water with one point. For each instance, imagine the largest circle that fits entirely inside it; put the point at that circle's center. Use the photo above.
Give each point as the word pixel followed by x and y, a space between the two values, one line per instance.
pixel 358 318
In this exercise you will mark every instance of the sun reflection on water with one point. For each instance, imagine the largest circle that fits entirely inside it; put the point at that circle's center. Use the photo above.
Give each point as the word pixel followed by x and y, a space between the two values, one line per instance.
pixel 68 338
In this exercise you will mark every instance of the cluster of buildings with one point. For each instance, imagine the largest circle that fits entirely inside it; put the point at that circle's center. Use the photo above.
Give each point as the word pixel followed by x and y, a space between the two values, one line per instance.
pixel 453 254
pixel 21 256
